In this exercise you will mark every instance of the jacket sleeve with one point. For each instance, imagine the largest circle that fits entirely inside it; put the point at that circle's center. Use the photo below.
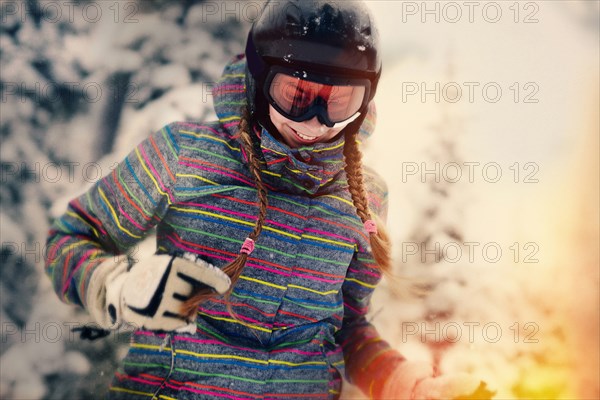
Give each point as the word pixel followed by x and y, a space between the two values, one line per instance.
pixel 369 359
pixel 113 215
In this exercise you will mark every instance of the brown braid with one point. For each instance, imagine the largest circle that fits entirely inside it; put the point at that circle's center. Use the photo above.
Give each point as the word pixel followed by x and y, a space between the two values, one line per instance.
pixel 380 243
pixel 234 269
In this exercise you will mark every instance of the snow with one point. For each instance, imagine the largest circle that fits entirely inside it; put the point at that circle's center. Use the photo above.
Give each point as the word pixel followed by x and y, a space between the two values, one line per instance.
pixel 20 366
pixel 9 230
pixel 76 363
pixel 171 75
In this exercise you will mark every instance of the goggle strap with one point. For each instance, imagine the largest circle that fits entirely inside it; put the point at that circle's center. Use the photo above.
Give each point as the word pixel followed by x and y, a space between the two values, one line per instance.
pixel 346 122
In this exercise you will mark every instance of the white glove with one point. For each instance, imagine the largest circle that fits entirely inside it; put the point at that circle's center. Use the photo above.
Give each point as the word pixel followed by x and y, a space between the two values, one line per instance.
pixel 415 381
pixel 150 293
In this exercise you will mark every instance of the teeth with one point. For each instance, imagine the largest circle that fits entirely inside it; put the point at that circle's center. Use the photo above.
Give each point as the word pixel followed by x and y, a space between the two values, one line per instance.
pixel 305 137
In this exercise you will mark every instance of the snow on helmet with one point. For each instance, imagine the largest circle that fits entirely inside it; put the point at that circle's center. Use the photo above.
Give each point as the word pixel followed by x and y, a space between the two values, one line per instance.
pixel 332 43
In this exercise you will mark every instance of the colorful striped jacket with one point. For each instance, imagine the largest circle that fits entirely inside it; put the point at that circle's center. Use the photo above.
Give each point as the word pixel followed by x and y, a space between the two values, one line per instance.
pixel 303 294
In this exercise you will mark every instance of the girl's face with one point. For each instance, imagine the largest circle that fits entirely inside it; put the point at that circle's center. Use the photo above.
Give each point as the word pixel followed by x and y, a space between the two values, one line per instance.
pixel 305 133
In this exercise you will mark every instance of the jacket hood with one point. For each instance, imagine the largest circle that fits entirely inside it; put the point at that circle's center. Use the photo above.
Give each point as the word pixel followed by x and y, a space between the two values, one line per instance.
pixel 308 169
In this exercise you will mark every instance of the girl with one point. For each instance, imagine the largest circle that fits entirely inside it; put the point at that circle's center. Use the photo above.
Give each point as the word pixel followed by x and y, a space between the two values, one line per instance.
pixel 268 240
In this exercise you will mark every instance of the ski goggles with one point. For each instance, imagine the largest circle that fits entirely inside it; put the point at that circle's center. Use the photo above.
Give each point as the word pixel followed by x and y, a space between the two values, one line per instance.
pixel 334 101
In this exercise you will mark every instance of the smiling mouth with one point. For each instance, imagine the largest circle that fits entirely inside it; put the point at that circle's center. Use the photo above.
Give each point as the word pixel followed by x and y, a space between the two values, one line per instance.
pixel 304 138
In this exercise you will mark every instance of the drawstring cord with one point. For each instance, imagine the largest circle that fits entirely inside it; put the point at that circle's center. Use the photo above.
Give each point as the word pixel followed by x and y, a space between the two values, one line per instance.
pixel 168 339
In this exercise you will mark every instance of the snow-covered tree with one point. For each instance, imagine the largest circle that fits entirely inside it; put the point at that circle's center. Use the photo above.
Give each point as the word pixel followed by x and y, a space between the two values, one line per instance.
pixel 78 93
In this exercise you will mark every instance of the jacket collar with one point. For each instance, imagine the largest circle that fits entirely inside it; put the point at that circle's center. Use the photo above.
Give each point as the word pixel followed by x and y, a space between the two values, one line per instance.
pixel 305 169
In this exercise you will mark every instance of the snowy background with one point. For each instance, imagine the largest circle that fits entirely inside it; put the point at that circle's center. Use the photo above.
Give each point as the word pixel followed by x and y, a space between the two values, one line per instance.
pixel 487 135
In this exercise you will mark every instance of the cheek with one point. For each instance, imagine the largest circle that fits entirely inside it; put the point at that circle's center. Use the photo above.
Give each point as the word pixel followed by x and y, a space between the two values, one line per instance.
pixel 277 120
pixel 333 132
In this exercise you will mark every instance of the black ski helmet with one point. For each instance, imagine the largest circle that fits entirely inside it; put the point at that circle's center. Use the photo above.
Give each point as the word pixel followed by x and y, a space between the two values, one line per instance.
pixel 329 38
